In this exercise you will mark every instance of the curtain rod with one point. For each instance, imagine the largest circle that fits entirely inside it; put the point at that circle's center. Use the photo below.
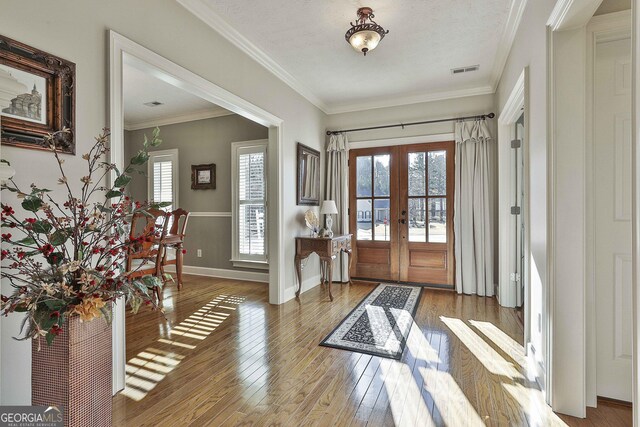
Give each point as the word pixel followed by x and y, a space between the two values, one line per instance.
pixel 479 116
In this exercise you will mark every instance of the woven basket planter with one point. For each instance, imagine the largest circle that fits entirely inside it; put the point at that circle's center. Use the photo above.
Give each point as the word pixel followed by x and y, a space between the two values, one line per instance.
pixel 75 373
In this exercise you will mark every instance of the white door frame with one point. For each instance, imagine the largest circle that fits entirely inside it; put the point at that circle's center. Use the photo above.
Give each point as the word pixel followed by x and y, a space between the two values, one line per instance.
pixel 515 106
pixel 508 116
pixel 565 319
pixel 566 122
pixel 182 78
pixel 609 27
pixel 635 118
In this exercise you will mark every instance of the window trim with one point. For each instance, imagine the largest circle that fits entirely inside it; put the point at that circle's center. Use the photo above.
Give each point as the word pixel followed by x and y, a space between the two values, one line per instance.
pixel 238 260
pixel 173 154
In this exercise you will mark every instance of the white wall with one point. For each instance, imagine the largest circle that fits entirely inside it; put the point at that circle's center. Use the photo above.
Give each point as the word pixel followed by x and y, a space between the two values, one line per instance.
pixel 77 30
pixel 529 49
pixel 410 113
pixel 558 258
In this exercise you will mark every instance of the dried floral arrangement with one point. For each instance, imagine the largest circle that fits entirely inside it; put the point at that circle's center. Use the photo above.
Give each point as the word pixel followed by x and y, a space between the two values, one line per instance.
pixel 67 257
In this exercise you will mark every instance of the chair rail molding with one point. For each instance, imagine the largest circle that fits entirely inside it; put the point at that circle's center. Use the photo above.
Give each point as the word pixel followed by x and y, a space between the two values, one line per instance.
pixel 210 214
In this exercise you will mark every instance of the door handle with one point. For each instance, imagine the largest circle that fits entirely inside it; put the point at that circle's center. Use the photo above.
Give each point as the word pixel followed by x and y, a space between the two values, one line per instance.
pixel 402 221
pixel 403 213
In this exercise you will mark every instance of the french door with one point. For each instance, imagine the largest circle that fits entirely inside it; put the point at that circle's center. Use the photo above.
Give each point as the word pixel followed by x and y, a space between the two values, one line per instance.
pixel 401 213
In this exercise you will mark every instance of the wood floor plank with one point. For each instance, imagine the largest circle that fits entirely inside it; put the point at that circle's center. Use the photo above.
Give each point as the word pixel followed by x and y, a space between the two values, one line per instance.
pixel 221 355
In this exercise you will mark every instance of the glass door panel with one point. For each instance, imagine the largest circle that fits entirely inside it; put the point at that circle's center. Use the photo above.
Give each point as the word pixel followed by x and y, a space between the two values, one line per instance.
pixel 426 188
pixel 400 213
pixel 373 201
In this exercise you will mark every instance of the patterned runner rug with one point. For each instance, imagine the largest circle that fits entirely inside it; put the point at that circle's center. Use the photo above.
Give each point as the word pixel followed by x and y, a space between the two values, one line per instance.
pixel 380 324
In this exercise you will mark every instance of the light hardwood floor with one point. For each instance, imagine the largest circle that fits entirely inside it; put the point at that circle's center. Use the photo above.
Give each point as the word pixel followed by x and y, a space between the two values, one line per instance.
pixel 223 357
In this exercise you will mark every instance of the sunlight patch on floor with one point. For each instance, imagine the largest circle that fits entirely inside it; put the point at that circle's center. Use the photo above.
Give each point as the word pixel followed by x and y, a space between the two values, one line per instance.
pixel 177 344
pixel 409 392
pixel 420 347
pixel 503 341
pixel 490 358
pixel 450 400
pixel 531 400
pixel 404 380
pixel 145 370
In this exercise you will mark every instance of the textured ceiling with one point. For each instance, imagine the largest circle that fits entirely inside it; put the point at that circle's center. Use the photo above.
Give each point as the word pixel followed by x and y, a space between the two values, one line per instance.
pixel 139 86
pixel 426 39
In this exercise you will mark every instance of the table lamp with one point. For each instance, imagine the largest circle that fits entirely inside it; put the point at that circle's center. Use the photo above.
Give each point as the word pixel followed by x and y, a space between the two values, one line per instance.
pixel 328 208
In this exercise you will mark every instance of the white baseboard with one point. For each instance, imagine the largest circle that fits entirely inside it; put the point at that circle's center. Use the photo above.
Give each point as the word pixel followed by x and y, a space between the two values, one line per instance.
pixel 249 276
pixel 308 283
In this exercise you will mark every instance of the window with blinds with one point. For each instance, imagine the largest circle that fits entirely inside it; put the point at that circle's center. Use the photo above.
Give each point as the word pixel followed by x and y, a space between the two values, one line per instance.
pixel 250 202
pixel 163 173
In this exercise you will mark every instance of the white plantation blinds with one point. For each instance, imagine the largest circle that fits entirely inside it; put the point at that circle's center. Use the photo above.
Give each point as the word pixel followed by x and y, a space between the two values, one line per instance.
pixel 162 182
pixel 162 174
pixel 250 204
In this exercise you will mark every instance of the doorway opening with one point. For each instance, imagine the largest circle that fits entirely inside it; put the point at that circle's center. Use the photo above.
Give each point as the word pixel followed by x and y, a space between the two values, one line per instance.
pixel 517 209
pixel 172 77
pixel 401 213
pixel 519 284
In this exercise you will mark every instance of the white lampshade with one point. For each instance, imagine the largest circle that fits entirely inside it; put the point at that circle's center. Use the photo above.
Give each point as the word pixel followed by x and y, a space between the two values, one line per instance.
pixel 328 207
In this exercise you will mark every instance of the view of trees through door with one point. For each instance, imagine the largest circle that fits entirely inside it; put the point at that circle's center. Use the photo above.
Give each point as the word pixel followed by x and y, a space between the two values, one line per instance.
pixel 399 213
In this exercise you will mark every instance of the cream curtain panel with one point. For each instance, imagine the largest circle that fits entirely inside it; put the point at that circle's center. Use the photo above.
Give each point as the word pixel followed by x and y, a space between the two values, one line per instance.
pixel 472 220
pixel 336 189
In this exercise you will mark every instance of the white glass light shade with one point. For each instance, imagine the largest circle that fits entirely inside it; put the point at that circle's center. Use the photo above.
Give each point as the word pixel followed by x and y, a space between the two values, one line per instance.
pixel 365 39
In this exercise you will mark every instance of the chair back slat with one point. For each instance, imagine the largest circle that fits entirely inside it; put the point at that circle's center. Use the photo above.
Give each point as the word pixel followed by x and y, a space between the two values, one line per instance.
pixel 152 226
pixel 179 218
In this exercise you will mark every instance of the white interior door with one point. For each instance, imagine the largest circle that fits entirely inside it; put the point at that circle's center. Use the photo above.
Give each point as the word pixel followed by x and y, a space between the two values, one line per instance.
pixel 612 201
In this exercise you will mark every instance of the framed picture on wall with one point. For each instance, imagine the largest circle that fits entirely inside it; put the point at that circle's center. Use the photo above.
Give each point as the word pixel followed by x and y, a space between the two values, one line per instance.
pixel 203 177
pixel 37 97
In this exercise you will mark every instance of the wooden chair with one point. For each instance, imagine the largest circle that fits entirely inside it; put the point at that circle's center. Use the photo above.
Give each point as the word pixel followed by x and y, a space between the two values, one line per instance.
pixel 144 258
pixel 174 241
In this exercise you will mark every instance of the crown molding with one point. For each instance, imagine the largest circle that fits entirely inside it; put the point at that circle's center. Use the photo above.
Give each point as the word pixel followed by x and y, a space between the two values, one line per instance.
pixel 572 14
pixel 408 100
pixel 204 12
pixel 177 118
pixel 200 9
pixel 506 41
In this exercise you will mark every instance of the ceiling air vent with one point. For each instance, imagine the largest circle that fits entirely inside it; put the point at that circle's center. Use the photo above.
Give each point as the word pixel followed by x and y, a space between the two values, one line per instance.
pixel 465 69
pixel 153 103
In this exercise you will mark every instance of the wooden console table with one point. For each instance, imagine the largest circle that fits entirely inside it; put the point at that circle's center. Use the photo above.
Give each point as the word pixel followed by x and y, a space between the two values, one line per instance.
pixel 327 248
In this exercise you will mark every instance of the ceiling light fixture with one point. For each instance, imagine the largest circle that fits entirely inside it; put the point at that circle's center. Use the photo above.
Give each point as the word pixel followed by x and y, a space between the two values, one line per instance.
pixel 364 36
